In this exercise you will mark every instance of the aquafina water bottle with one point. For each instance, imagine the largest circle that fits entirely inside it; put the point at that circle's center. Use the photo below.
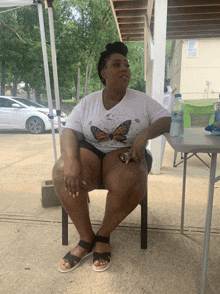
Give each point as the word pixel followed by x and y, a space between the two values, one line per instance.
pixel 177 128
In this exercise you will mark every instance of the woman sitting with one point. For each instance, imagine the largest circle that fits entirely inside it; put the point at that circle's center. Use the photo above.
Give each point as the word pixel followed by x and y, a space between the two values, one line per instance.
pixel 105 124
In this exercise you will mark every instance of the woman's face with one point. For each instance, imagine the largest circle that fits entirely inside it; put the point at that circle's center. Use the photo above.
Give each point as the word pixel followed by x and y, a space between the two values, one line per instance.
pixel 116 72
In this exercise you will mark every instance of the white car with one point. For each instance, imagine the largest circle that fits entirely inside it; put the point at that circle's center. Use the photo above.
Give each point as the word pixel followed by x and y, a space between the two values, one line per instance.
pixel 20 113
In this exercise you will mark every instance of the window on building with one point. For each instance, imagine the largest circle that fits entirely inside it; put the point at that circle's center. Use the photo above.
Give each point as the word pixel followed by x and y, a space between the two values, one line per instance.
pixel 192 49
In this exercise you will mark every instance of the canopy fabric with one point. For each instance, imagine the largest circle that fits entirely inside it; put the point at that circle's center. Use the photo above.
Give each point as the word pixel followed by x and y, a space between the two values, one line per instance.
pixel 13 3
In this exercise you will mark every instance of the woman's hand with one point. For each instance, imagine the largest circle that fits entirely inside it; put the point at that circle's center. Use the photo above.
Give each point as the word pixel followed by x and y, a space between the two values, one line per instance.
pixel 137 151
pixel 72 176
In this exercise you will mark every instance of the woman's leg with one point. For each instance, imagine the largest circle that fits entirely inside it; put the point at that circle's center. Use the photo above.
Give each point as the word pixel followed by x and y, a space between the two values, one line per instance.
pixel 127 184
pixel 77 208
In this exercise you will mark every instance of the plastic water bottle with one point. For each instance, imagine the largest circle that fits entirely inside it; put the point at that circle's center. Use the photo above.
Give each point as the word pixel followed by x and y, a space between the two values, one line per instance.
pixel 216 125
pixel 177 128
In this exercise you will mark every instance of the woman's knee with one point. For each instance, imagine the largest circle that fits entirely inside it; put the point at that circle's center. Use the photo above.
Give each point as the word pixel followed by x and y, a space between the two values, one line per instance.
pixel 125 180
pixel 58 170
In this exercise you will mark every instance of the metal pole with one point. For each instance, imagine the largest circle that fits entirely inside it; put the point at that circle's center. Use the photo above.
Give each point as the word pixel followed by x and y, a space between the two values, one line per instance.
pixel 183 192
pixel 54 63
pixel 47 78
pixel 212 181
pixel 78 84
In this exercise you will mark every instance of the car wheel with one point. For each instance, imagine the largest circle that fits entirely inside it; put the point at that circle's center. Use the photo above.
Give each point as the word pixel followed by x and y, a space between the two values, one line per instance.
pixel 35 125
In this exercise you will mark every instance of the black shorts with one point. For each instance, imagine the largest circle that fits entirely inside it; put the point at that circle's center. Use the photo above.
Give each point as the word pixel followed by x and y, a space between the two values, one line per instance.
pixel 84 144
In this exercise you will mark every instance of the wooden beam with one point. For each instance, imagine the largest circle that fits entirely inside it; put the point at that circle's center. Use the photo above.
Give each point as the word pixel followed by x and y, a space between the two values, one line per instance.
pixel 130 20
pixel 186 18
pixel 192 3
pixel 132 35
pixel 133 26
pixel 193 29
pixel 123 5
pixel 195 37
pixel 150 5
pixel 131 13
pixel 149 40
pixel 130 31
pixel 158 73
pixel 198 12
pixel 113 11
pixel 133 39
pixel 193 10
pixel 208 23
pixel 192 33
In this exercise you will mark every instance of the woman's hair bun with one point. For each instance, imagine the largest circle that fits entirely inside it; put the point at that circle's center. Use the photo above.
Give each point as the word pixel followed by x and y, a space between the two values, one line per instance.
pixel 117 47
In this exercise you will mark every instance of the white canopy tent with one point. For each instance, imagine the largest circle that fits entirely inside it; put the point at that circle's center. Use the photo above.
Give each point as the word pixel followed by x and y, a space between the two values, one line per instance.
pixel 17 3
pixel 13 3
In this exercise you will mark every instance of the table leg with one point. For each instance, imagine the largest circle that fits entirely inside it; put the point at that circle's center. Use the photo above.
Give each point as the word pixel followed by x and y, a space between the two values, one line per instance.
pixel 208 221
pixel 183 193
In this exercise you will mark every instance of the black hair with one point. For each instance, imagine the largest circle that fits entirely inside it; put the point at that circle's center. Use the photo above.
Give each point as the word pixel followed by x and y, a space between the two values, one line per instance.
pixel 117 47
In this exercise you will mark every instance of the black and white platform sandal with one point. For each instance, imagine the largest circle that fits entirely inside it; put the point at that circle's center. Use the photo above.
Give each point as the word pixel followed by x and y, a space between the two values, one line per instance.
pixel 72 258
pixel 106 255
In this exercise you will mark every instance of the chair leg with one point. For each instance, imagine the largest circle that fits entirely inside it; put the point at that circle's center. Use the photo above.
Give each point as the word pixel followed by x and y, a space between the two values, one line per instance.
pixel 144 222
pixel 64 227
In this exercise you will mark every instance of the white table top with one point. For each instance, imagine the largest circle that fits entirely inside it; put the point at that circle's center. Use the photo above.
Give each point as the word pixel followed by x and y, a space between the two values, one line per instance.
pixel 195 140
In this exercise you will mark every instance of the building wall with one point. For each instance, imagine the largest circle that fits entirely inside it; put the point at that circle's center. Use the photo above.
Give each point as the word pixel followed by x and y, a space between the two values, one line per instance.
pixel 174 67
pixel 196 71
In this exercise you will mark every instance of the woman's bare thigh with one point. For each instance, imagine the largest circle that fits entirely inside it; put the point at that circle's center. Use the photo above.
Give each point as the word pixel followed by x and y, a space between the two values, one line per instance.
pixel 91 168
pixel 116 173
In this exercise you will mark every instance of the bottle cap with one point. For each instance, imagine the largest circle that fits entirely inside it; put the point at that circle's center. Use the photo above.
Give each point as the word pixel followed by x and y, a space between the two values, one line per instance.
pixel 178 95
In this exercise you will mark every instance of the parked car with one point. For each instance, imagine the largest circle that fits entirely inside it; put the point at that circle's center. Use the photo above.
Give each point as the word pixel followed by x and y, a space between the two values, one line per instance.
pixel 20 113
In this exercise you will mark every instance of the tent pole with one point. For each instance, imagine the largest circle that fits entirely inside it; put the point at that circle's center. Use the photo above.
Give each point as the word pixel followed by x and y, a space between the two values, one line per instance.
pixel 47 78
pixel 54 59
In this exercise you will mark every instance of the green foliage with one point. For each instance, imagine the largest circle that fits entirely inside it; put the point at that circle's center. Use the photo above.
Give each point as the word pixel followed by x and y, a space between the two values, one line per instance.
pixel 136 61
pixel 82 30
pixel 22 52
pixel 168 49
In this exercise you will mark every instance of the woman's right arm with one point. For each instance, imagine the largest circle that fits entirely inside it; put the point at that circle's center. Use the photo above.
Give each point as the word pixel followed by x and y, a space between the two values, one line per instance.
pixel 70 154
pixel 69 143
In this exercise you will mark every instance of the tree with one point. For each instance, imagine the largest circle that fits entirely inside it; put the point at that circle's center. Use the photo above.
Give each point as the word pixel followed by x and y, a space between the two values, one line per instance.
pixel 82 30
pixel 87 30
pixel 22 51
pixel 136 61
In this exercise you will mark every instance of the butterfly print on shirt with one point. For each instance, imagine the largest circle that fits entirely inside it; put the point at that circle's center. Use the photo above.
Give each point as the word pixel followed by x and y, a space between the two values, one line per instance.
pixel 118 134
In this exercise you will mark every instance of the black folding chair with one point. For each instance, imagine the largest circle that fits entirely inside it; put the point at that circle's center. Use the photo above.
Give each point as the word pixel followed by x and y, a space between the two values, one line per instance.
pixel 143 219
pixel 143 222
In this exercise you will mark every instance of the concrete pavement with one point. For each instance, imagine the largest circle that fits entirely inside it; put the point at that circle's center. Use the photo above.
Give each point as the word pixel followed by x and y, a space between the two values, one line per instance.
pixel 30 246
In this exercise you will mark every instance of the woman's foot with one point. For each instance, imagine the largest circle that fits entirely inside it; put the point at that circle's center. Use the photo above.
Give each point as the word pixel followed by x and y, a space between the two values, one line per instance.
pixel 72 259
pixel 102 254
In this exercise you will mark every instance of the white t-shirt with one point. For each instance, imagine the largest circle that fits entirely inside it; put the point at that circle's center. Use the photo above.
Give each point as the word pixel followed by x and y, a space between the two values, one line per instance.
pixel 117 127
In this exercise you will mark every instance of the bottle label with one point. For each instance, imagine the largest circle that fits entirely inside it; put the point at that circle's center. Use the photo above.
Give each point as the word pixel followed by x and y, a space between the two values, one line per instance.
pixel 217 116
pixel 216 125
pixel 177 116
pixel 177 128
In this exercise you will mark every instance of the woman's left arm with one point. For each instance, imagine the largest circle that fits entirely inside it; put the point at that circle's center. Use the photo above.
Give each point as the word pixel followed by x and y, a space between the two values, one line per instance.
pixel 160 126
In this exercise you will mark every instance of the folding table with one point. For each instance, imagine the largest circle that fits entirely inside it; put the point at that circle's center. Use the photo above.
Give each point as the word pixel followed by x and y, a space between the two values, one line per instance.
pixel 197 140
